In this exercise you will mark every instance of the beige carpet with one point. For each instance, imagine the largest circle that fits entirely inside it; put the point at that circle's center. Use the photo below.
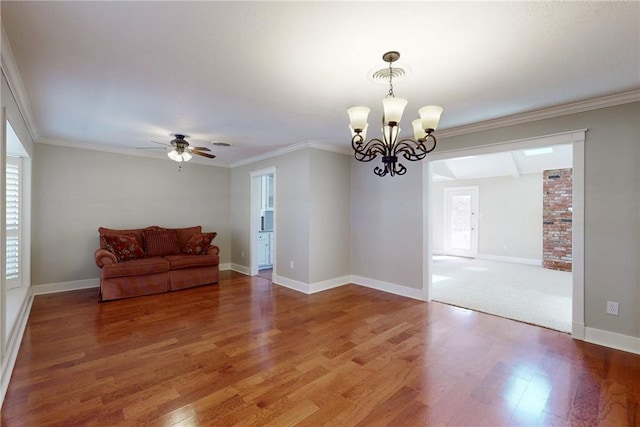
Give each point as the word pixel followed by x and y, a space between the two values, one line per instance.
pixel 521 292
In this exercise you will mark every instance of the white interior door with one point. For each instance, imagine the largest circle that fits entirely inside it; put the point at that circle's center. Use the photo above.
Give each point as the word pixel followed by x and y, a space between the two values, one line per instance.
pixel 461 221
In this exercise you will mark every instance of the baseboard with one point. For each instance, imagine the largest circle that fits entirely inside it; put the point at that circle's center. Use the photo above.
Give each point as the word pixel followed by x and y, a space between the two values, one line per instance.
pixel 239 268
pixel 13 345
pixel 613 340
pixel 291 284
pixel 392 288
pixel 577 330
pixel 311 288
pixel 329 284
pixel 529 261
pixel 74 285
pixel 225 266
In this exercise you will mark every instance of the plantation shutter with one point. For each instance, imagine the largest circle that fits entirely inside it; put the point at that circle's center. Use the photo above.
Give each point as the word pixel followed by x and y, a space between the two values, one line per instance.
pixel 13 222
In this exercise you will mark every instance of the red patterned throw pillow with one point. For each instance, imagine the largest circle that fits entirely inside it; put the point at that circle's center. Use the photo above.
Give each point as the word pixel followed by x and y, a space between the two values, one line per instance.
pixel 199 243
pixel 124 246
pixel 161 242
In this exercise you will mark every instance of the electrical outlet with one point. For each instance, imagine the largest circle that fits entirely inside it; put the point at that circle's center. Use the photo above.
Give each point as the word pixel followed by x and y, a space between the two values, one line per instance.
pixel 242 254
pixel 291 264
pixel 613 308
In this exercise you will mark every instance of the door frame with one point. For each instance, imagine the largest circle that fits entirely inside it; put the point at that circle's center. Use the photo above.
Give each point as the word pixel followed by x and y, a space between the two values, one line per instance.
pixel 474 191
pixel 577 140
pixel 254 218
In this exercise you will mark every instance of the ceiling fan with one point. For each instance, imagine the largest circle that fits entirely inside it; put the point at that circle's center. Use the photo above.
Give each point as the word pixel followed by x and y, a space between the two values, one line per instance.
pixel 181 151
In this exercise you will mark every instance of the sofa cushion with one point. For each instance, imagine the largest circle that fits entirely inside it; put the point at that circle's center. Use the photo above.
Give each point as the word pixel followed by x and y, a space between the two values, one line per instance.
pixel 187 261
pixel 124 246
pixel 161 242
pixel 135 231
pixel 199 243
pixel 184 234
pixel 136 267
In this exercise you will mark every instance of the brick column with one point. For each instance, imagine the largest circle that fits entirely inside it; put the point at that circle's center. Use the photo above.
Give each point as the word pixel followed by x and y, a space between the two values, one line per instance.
pixel 557 219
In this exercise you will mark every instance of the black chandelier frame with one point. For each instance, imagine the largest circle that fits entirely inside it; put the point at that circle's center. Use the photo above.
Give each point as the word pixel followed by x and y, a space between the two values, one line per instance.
pixel 411 149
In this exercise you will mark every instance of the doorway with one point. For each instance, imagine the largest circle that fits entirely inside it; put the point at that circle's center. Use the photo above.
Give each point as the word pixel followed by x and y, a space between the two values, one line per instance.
pixel 461 225
pixel 263 223
pixel 575 141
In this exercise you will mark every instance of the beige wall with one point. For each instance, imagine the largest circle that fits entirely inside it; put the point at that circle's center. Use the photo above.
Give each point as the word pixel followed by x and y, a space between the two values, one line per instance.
pixel 386 225
pixel 329 216
pixel 312 218
pixel 76 191
pixel 509 215
pixel 291 206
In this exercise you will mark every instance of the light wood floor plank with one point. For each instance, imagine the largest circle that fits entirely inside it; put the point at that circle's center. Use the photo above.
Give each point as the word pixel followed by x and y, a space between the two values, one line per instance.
pixel 246 352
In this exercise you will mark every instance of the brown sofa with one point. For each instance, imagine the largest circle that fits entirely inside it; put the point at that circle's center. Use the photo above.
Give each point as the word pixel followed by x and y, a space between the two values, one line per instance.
pixel 155 261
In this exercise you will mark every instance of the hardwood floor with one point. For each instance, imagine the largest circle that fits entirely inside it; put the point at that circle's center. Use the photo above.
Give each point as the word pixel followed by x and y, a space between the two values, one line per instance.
pixel 247 352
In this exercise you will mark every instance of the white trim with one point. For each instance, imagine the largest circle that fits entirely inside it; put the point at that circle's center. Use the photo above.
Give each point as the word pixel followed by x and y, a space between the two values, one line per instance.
pixel 517 260
pixel 159 155
pixel 224 266
pixel 289 149
pixel 324 285
pixel 577 330
pixel 516 144
pixel 577 232
pixel 427 224
pixel 612 340
pixel 13 345
pixel 391 288
pixel 547 113
pixel 311 288
pixel 16 85
pixel 240 269
pixel 291 284
pixel 255 198
pixel 51 288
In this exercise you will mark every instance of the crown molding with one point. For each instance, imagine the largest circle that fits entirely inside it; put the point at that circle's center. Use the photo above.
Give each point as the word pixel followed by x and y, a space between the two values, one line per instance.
pixel 126 151
pixel 547 113
pixel 289 149
pixel 12 74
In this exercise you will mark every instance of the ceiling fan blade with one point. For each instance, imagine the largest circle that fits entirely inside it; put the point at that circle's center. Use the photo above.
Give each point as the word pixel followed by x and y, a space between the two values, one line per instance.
pixel 161 143
pixel 199 153
pixel 150 148
pixel 199 148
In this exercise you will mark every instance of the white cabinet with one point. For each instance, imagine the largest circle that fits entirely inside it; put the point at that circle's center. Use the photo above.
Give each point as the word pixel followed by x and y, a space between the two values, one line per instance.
pixel 266 186
pixel 265 253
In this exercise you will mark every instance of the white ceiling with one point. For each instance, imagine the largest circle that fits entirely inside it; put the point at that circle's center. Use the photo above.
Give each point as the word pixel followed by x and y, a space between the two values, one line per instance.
pixel 266 75
pixel 508 163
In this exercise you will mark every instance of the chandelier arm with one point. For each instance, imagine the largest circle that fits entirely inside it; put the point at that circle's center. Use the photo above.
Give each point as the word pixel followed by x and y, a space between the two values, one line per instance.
pixel 415 150
pixel 401 169
pixel 411 150
pixel 368 151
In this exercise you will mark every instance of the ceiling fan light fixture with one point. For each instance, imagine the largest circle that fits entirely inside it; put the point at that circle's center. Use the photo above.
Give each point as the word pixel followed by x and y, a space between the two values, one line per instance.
pixel 173 155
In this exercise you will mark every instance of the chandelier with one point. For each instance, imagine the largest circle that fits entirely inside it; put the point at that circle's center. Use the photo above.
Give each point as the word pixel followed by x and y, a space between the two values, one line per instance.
pixel 389 147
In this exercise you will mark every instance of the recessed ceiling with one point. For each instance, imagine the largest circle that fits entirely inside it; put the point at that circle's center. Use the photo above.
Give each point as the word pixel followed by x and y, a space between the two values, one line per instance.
pixel 508 163
pixel 265 75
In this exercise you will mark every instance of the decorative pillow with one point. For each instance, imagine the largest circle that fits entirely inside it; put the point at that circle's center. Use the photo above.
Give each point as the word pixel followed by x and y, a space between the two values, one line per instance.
pixel 124 246
pixel 199 243
pixel 161 242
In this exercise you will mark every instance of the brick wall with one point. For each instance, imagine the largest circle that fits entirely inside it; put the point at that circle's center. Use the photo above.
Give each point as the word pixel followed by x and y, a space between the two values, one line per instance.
pixel 557 216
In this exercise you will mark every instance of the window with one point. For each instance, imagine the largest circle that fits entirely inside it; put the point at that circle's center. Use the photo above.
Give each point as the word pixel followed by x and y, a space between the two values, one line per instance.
pixel 13 222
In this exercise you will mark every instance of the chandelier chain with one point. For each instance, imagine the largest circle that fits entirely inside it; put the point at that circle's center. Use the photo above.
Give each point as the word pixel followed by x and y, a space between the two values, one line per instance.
pixel 391 81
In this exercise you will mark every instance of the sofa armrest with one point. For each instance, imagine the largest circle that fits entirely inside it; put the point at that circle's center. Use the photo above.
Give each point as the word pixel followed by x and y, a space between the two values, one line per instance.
pixel 104 257
pixel 213 250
